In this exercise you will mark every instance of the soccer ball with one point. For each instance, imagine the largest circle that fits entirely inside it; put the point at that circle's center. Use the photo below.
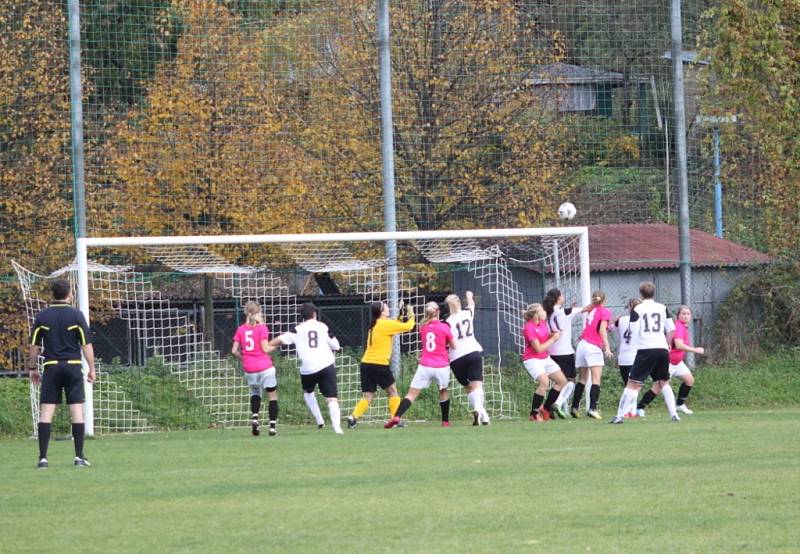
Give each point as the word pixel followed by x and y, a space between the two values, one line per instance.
pixel 567 210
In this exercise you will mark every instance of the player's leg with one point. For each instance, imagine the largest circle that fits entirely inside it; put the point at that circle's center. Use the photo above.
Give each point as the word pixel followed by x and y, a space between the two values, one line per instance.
pixel 567 365
pixel 669 399
pixel 328 388
pixel 309 383
pixel 639 372
pixel 442 377
pixel 368 388
pixel 594 391
pixel 255 386
pixel 559 382
pixel 687 382
pixel 583 364
pixel 270 383
pixel 537 414
pixel 405 404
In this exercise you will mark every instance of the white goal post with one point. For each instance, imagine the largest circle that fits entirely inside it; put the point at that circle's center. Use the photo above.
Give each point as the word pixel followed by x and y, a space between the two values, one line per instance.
pixel 578 235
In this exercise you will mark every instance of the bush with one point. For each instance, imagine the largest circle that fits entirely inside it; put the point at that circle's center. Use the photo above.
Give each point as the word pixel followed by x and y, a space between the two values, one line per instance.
pixel 762 313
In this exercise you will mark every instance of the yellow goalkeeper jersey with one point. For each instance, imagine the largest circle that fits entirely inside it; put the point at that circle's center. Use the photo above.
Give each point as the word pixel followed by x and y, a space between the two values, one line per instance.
pixel 379 340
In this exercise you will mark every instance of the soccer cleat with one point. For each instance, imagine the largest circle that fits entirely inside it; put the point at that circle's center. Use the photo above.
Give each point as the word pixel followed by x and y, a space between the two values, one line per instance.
pixel 630 415
pixel 82 462
pixel 445 424
pixel 536 417
pixel 640 412
pixel 273 428
pixel 545 413
pixel 42 464
pixel 320 425
pixel 574 413
pixel 401 425
pixel 351 422
pixel 392 422
pixel 485 418
pixel 676 418
pixel 475 418
pixel 338 431
pixel 255 426
pixel 559 411
pixel 594 414
pixel 617 420
pixel 684 409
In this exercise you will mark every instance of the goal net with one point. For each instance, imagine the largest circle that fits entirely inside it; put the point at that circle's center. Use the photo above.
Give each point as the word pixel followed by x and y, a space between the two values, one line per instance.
pixel 148 295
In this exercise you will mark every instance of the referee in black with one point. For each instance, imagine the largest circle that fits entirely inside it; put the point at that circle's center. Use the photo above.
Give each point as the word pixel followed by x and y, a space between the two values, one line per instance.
pixel 59 334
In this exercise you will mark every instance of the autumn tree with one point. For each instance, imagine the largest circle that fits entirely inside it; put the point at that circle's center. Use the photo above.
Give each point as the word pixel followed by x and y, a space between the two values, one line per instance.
pixel 35 171
pixel 754 48
pixel 205 153
pixel 474 147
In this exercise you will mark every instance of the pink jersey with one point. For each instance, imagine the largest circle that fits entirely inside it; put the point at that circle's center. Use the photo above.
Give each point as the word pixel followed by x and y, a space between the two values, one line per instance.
pixel 435 336
pixel 681 332
pixel 539 331
pixel 591 333
pixel 249 337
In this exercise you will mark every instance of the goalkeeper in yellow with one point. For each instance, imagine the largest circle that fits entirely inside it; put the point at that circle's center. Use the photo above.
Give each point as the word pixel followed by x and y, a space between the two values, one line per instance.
pixel 374 368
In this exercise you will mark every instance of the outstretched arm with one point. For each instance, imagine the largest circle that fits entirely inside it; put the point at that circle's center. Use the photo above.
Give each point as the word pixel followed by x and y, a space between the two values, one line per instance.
pixel 470 301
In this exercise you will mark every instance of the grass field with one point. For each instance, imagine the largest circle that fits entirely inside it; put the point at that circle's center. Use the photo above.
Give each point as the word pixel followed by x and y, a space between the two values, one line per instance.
pixel 719 481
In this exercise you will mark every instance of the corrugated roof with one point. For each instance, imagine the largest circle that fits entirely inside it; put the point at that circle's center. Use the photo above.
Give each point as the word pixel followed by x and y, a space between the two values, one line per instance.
pixel 627 247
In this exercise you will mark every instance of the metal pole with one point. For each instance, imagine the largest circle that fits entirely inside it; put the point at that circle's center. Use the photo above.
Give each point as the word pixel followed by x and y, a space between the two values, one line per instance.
pixel 78 184
pixel 387 157
pixel 717 186
pixel 680 147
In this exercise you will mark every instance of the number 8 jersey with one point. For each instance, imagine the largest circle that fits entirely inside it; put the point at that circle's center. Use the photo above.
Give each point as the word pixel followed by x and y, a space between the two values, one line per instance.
pixel 461 325
pixel 314 346
pixel 650 321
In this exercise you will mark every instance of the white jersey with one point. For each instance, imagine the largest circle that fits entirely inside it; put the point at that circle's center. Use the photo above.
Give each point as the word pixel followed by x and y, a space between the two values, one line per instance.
pixel 561 320
pixel 650 322
pixel 627 347
pixel 461 325
pixel 314 346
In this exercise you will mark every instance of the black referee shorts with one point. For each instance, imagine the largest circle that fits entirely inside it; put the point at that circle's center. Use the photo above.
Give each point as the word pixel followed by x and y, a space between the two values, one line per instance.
pixel 65 376
pixel 652 362
pixel 374 376
pixel 468 368
pixel 324 378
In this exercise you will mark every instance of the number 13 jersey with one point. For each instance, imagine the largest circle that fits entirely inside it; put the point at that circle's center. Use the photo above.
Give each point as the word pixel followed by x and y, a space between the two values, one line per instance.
pixel 463 329
pixel 650 321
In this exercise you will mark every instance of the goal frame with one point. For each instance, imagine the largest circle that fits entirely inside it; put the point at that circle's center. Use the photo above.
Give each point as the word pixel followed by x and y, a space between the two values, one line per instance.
pixel 84 243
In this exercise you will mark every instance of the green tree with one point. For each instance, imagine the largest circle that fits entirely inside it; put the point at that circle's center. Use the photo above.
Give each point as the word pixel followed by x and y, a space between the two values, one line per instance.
pixel 754 49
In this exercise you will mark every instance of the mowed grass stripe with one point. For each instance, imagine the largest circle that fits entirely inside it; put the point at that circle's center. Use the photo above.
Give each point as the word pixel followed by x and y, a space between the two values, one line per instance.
pixel 715 482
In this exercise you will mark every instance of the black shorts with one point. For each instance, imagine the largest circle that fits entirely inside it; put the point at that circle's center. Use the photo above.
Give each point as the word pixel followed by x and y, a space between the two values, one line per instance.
pixel 468 368
pixel 567 364
pixel 64 376
pixel 325 378
pixel 374 376
pixel 652 362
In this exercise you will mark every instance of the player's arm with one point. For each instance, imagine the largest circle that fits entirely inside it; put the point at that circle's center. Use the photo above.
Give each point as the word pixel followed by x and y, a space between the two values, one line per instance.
pixel 470 301
pixel 272 345
pixel 333 342
pixel 33 369
pixel 236 350
pixel 604 335
pixel 680 344
pixel 543 346
pixel 88 354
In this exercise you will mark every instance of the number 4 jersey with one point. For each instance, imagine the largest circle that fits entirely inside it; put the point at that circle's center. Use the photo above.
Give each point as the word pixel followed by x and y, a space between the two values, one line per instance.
pixel 650 321
pixel 314 346
pixel 461 325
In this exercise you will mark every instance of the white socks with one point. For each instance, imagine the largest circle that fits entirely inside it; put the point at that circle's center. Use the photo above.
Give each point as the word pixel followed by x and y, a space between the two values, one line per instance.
pixel 311 402
pixel 565 393
pixel 475 399
pixel 626 401
pixel 336 416
pixel 669 400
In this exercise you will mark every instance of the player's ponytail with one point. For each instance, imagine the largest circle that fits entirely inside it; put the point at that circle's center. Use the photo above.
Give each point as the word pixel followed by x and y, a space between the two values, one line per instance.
pixel 431 313
pixel 549 301
pixel 375 311
pixel 453 303
pixel 253 311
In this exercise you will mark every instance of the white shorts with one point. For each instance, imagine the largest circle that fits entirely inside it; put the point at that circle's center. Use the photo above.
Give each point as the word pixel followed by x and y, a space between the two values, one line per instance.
pixel 588 355
pixel 424 376
pixel 536 366
pixel 679 370
pixel 261 380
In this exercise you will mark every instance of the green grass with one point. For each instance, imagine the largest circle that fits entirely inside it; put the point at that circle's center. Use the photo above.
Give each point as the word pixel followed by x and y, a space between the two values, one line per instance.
pixel 715 482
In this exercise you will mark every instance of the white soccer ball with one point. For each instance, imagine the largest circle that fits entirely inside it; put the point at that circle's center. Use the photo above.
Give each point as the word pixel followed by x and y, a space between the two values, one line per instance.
pixel 567 210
